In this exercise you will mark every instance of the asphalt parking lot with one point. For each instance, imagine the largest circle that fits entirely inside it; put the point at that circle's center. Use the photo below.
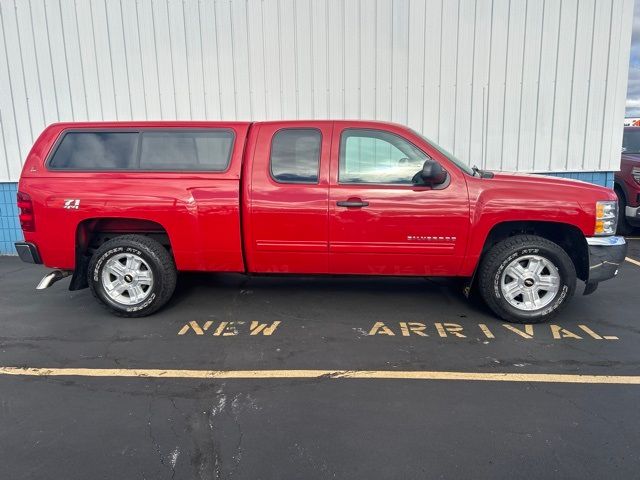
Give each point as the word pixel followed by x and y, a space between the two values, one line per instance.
pixel 349 418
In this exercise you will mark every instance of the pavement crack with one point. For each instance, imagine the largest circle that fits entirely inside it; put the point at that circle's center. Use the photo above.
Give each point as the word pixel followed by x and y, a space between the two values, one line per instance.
pixel 234 416
pixel 107 352
pixel 155 443
pixel 213 412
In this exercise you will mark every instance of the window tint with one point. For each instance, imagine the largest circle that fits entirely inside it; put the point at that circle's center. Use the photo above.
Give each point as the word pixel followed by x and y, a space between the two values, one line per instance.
pixel 166 150
pixel 174 150
pixel 295 155
pixel 631 141
pixel 96 151
pixel 375 156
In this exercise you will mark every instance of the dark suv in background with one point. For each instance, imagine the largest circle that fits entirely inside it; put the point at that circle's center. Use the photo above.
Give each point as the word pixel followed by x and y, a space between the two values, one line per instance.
pixel 627 182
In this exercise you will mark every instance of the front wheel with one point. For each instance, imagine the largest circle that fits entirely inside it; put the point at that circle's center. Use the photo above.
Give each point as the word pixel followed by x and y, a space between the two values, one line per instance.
pixel 132 275
pixel 526 279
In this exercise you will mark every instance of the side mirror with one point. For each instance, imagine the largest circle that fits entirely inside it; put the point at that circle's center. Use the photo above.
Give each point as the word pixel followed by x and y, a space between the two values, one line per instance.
pixel 432 173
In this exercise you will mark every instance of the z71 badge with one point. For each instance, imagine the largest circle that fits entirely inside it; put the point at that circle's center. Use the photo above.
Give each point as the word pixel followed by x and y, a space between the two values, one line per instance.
pixel 72 204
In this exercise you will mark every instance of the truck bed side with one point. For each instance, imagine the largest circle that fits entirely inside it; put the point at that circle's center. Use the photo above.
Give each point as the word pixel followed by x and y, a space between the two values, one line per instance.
pixel 199 211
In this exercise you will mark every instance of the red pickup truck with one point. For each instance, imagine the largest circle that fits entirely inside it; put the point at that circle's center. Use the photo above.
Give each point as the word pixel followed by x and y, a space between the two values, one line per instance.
pixel 627 182
pixel 123 206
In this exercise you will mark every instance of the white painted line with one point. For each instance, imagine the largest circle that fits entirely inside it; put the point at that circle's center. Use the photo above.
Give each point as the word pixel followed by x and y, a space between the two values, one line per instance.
pixel 329 374
pixel 631 260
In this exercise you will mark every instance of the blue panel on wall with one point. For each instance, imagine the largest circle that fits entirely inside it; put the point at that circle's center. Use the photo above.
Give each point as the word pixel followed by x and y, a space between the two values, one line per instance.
pixel 9 225
pixel 599 178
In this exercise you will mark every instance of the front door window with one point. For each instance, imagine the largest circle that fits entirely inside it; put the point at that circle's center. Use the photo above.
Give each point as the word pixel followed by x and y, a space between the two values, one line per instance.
pixel 378 157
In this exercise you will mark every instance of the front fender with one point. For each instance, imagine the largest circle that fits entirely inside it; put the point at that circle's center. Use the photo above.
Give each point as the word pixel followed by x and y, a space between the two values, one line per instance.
pixel 489 214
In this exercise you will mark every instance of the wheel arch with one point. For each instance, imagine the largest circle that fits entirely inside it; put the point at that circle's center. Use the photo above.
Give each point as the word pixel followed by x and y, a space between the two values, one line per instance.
pixel 93 232
pixel 569 237
pixel 619 187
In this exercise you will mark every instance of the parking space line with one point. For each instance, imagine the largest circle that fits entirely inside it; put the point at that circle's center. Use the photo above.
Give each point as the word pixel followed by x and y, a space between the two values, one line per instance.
pixel 319 374
pixel 631 260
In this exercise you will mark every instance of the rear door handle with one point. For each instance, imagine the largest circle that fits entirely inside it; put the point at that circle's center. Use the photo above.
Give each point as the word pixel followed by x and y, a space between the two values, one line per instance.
pixel 353 203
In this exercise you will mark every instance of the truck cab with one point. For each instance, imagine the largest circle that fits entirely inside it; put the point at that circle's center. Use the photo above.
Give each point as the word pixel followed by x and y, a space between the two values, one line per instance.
pixel 123 206
pixel 343 198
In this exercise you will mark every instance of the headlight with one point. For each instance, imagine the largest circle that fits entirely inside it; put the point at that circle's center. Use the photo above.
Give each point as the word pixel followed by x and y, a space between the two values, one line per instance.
pixel 606 217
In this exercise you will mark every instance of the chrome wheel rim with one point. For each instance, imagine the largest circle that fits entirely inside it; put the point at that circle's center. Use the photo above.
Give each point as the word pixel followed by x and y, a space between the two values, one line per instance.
pixel 127 279
pixel 530 282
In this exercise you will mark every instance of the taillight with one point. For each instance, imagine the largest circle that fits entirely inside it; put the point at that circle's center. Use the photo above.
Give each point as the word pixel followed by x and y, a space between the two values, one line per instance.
pixel 27 219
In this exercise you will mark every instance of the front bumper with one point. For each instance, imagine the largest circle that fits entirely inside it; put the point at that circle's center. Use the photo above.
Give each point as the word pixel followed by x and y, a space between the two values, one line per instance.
pixel 632 213
pixel 28 252
pixel 605 256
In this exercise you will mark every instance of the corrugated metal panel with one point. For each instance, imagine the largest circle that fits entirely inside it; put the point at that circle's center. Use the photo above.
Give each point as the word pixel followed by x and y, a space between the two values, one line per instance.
pixel 533 85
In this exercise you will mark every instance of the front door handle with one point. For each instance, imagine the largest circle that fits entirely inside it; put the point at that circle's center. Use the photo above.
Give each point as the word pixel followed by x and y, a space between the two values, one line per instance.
pixel 353 203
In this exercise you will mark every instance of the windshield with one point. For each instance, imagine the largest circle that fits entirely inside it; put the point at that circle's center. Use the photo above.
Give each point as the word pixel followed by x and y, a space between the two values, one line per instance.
pixel 459 163
pixel 631 141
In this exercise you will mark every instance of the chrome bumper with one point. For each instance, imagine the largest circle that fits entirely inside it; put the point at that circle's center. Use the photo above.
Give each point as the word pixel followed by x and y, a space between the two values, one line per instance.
pixel 28 252
pixel 605 256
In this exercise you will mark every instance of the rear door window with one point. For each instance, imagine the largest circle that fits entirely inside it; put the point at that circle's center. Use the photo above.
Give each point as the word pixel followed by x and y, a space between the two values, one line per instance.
pixel 295 155
pixel 190 150
pixel 96 151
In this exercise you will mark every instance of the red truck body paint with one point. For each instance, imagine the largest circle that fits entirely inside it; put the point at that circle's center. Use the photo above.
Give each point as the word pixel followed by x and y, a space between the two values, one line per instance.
pixel 241 220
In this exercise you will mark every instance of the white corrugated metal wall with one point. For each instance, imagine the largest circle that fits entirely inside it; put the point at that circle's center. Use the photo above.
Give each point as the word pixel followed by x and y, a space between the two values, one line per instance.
pixel 531 85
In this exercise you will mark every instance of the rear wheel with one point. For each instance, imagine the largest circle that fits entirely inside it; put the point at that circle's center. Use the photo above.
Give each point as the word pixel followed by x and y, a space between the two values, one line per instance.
pixel 132 275
pixel 526 279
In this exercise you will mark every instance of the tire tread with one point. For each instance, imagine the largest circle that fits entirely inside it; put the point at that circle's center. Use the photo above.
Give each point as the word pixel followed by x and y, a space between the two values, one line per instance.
pixel 497 254
pixel 165 265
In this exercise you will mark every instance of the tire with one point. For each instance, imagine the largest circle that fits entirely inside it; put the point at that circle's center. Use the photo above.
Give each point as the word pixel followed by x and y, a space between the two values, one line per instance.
pixel 138 267
pixel 517 254
pixel 624 228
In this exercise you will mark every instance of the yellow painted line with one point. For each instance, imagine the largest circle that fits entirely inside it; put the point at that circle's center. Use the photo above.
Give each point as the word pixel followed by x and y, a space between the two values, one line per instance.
pixel 341 374
pixel 631 260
